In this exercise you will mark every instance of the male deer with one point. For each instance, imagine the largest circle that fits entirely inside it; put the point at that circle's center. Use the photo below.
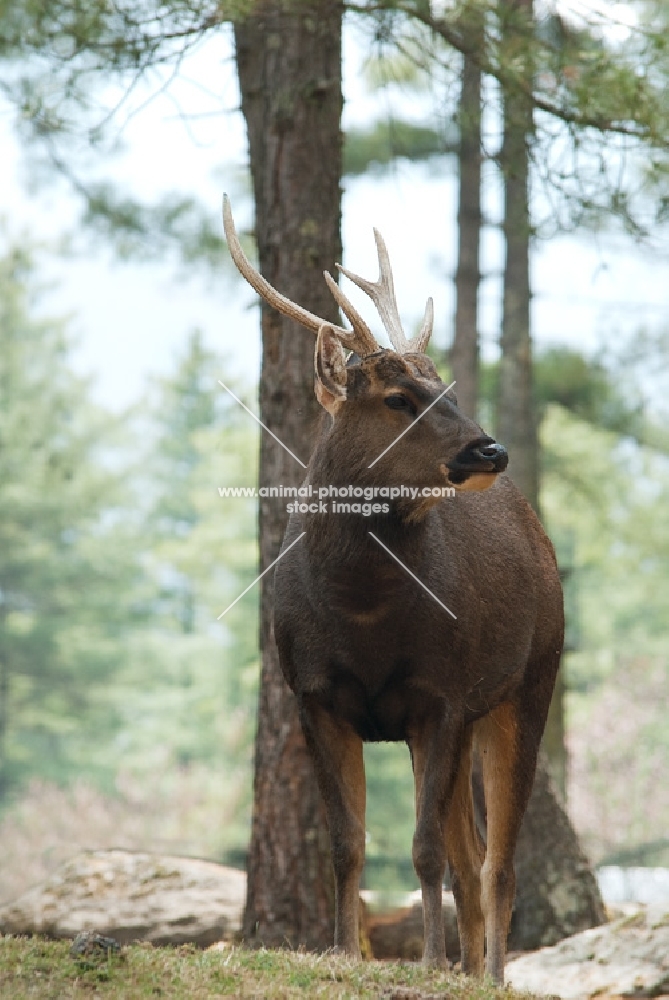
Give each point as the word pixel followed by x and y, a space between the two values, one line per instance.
pixel 370 655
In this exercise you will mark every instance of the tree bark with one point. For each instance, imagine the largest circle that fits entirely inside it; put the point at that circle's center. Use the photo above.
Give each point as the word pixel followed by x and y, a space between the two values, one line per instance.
pixel 516 417
pixel 289 65
pixel 557 894
pixel 516 412
pixel 464 355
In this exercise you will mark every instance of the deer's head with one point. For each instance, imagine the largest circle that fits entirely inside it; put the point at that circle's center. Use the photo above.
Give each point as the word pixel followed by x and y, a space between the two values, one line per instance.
pixel 396 419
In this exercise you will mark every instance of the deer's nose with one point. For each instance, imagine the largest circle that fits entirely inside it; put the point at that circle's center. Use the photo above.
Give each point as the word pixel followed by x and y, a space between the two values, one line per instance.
pixel 493 452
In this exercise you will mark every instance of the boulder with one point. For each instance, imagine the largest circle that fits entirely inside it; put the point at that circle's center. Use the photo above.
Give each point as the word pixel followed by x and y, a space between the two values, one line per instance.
pixel 627 958
pixel 132 896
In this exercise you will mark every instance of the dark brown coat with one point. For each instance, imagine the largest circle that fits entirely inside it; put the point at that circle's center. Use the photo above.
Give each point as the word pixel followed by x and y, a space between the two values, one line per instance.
pixel 436 621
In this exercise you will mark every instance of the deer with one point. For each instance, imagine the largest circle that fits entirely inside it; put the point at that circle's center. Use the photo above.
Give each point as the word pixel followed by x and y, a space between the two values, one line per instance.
pixel 434 621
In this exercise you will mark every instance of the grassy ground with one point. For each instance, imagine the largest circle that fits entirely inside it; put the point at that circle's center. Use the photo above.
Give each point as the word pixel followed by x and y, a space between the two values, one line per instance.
pixel 36 969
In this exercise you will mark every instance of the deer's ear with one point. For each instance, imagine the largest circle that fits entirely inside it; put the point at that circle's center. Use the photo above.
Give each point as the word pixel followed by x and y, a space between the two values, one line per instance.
pixel 330 369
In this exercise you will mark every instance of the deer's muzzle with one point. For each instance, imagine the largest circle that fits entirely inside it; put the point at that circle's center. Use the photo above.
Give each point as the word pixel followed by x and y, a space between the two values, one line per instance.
pixel 484 456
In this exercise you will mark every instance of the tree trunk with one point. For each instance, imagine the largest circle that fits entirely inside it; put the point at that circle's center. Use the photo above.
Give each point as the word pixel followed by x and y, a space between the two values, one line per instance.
pixel 289 65
pixel 516 417
pixel 464 355
pixel 516 414
pixel 557 894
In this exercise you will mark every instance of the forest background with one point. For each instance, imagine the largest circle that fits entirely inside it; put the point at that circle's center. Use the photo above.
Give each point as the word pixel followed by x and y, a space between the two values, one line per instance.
pixel 127 710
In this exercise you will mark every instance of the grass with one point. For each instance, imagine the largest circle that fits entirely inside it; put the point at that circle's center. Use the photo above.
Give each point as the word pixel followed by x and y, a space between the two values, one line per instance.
pixel 38 969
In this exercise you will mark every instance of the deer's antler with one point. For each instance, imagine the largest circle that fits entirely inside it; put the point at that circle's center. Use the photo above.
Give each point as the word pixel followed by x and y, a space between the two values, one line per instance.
pixel 360 339
pixel 382 294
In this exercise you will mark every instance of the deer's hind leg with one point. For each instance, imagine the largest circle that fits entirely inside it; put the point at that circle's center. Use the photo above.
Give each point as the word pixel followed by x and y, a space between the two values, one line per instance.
pixel 508 742
pixel 336 751
pixel 465 852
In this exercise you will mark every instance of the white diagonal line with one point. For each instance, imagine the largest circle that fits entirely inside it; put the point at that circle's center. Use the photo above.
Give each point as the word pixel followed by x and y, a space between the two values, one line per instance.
pixel 413 424
pixel 260 576
pixel 413 575
pixel 259 421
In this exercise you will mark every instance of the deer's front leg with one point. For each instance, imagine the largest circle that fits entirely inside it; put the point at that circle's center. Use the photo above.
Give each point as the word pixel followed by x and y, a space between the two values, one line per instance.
pixel 435 754
pixel 336 751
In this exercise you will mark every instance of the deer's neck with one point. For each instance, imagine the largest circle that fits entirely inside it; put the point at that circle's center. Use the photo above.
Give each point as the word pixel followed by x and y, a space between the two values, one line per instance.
pixel 349 501
pixel 342 475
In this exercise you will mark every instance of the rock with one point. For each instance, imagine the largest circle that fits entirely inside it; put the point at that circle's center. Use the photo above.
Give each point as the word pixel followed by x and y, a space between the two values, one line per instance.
pixel 91 943
pixel 93 951
pixel 132 897
pixel 628 957
pixel 399 934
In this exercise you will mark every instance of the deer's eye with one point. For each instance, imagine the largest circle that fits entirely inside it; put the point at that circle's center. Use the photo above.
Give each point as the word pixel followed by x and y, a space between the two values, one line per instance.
pixel 399 402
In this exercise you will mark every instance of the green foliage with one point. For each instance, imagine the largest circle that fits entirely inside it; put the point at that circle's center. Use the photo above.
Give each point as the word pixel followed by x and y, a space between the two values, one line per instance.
pixel 604 395
pixel 610 496
pixel 65 564
pixel 188 401
pixel 390 139
pixel 599 79
pixel 114 568
pixel 601 135
pixel 187 695
pixel 405 53
pixel 82 39
pixel 587 389
pixel 69 70
pixel 600 142
pixel 390 818
pixel 149 232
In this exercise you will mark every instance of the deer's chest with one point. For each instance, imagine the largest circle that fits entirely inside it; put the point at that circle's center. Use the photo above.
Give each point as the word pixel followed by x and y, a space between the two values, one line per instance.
pixel 368 669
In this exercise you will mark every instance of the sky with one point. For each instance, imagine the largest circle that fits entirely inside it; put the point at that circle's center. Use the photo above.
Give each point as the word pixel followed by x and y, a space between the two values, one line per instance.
pixel 131 320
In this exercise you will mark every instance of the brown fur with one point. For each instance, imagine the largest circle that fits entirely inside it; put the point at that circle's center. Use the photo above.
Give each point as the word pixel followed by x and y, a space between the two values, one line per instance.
pixel 371 656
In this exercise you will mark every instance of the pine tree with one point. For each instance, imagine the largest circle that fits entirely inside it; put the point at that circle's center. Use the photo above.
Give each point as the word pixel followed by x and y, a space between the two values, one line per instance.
pixel 187 694
pixel 65 572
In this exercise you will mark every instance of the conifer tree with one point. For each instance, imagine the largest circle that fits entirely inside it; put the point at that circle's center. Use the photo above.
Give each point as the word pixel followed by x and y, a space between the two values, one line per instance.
pixel 66 570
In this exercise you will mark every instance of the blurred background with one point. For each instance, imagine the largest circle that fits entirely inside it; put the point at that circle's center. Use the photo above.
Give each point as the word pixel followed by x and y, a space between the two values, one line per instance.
pixel 127 709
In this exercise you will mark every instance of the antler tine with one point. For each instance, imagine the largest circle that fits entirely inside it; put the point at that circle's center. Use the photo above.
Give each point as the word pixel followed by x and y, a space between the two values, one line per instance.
pixel 266 291
pixel 382 294
pixel 364 338
pixel 418 344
